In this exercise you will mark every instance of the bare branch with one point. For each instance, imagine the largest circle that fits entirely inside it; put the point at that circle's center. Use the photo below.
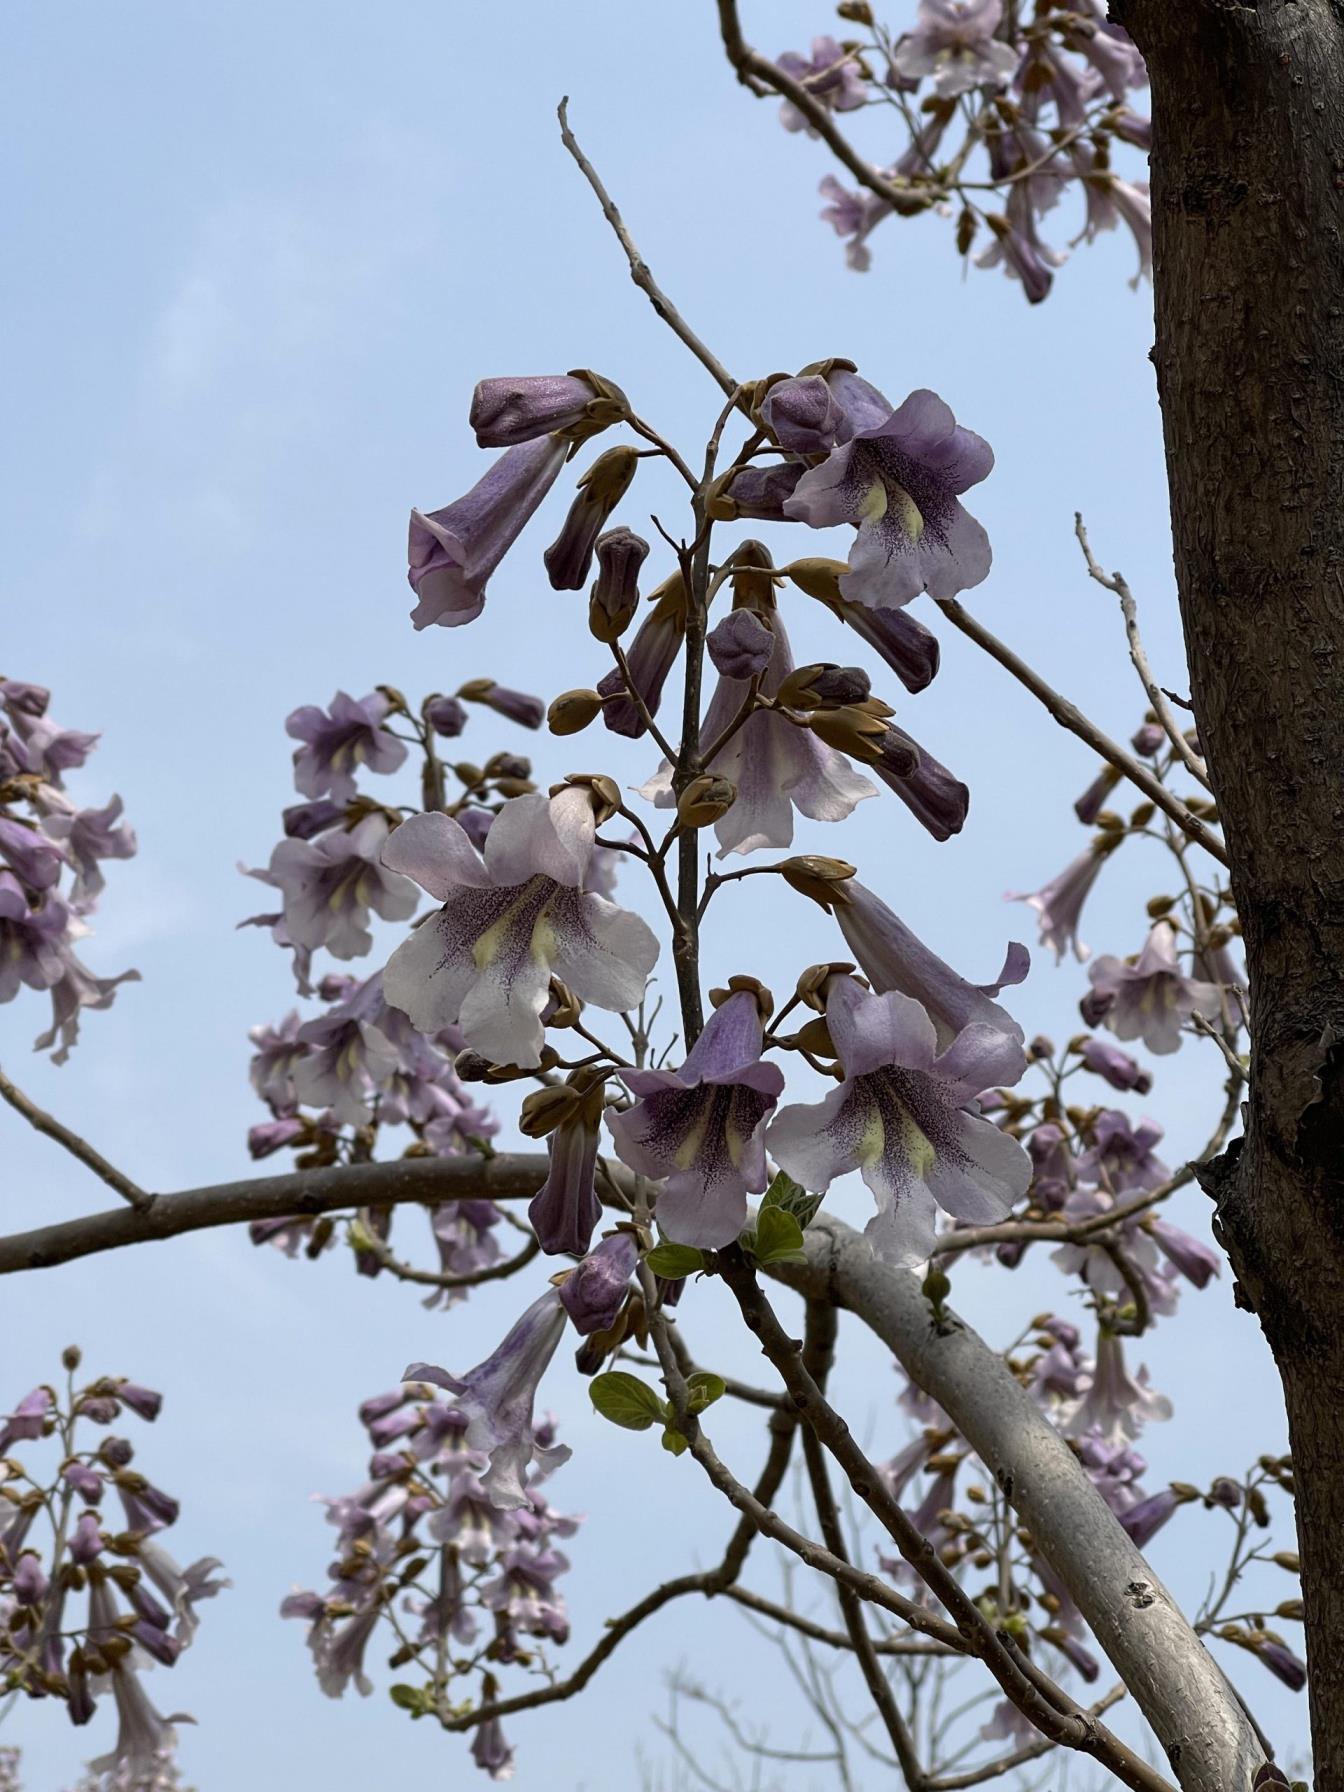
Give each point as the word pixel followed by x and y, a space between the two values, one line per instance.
pixel 991 1770
pixel 377 1248
pixel 52 1128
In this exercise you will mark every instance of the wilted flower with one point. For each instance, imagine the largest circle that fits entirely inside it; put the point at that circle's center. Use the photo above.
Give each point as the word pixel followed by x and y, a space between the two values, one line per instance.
pixel 509 922
pixel 1151 999
pixel 336 742
pixel 454 551
pixel 701 1126
pixel 907 1119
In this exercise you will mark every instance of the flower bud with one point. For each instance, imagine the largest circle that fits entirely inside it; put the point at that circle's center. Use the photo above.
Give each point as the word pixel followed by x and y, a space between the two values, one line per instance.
pixel 1148 739
pixel 515 706
pixel 814 875
pixel 604 793
pixel 601 489
pixel 507 411
pixel 543 1110
pixel 563 1007
pixel 705 800
pixel 741 645
pixel 571 711
pixel 71 1357
pixel 753 576
pixel 824 686
pixel 738 985
pixel 818 577
pixel 615 594
pixel 445 715
pixel 854 729
pixel 811 988
pixel 815 1037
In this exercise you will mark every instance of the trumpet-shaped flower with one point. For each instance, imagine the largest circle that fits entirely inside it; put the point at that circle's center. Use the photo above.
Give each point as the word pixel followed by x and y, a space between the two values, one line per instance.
pixel 1151 999
pixel 510 920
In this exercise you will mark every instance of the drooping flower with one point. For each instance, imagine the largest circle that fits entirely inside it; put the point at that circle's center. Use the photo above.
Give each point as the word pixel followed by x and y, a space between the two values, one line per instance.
pixel 831 74
pixel 893 958
pixel 514 409
pixel 1060 903
pixel 936 799
pixel 1115 1067
pixel 954 41
pixel 906 1118
pixel 348 1057
pixel 339 740
pixel 330 884
pixel 1151 999
pixel 615 595
pixel 454 551
pixel 567 1207
pixel 30 938
pixel 1017 247
pixel 1117 1405
pixel 898 482
pixel 510 921
pixel 701 1127
pixel 910 649
pixel 601 488
pixel 75 990
pixel 35 860
pixel 774 765
pixel 651 657
pixel 592 1295
pixel 498 1396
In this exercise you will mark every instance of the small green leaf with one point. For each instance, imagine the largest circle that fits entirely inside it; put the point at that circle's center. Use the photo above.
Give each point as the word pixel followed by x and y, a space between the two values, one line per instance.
pixel 415 1699
pixel 625 1400
pixel 675 1261
pixel 779 1237
pixel 674 1443
pixel 703 1389
pixel 793 1198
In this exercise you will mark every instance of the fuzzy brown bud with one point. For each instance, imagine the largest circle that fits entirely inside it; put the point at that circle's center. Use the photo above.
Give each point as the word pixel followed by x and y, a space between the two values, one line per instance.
pixel 572 711
pixel 705 800
pixel 814 875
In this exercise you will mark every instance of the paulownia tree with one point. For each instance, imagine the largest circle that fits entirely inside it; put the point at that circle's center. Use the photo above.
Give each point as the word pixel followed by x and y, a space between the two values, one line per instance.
pixel 1002 1543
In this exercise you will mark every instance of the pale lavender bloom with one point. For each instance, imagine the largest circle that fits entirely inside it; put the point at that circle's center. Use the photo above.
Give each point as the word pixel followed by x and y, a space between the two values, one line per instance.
pixel 1117 1405
pixel 1151 999
pixel 86 1540
pixel 330 884
pixel 22 699
pixel 143 1735
pixel 1115 1067
pixel 454 551
pixel 519 408
pixel 650 657
pixel 813 413
pixel 348 1058
pixel 498 1396
pixel 774 765
pixel 898 483
pixel 510 921
pixel 1114 1469
pixel 1060 903
pixel 954 42
pixel 567 1207
pixel 936 799
pixel 910 649
pixel 593 1294
pixel 907 1119
pixel 831 75
pixel 1145 1520
pixel 41 747
pixel 701 1127
pixel 491 1750
pixel 1132 127
pixel 183 1588
pixel 1194 1259
pixel 1110 201
pixel 86 837
pixel 28 1419
pixel 271 1071
pixel 524 1593
pixel 35 860
pixel 75 990
pixel 336 742
pixel 1112 53
pixel 446 716
pixel 30 938
pixel 464 1235
pixel 1018 249
pixel 893 958
pixel 338 1652
pixel 1121 1158
pixel 740 646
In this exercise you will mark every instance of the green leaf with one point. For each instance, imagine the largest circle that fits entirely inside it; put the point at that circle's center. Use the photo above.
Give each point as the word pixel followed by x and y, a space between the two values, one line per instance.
pixel 416 1699
pixel 674 1443
pixel 785 1193
pixel 779 1237
pixel 625 1400
pixel 703 1389
pixel 675 1261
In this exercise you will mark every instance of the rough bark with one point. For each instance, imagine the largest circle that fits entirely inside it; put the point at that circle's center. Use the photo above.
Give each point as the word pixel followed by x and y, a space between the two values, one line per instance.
pixel 1248 185
pixel 1209 1743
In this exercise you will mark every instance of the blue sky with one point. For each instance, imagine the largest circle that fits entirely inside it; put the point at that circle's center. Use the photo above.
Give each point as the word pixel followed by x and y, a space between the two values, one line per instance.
pixel 258 257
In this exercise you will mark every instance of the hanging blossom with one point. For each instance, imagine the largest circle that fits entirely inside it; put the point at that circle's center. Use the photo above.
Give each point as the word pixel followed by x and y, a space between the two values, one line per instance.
pixel 1151 999
pixel 339 740
pixel 60 1542
pixel 702 1127
pixel 906 1117
pixel 51 857
pixel 512 918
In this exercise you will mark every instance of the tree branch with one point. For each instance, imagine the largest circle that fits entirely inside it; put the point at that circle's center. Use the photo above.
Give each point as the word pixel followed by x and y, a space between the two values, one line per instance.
pixel 50 1127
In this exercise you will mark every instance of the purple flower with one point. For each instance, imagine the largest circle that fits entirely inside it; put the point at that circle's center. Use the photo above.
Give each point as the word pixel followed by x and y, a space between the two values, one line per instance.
pixel 1281 1662
pixel 1018 249
pixel 893 958
pixel 1121 1157
pixel 509 922
pixel 515 706
pixel 592 1295
pixel 1144 1521
pixel 567 1207
pixel 1117 1405
pixel 446 716
pixel 1115 1067
pixel 909 648
pixel 650 657
pixel 330 884
pixel 701 1126
pixel 1060 903
pixel 491 1750
pixel 271 1072
pixel 507 411
pixel 570 556
pixel 815 412
pixel 143 1735
pixel 954 42
pixel 454 551
pixel 30 939
pixel 774 765
pixel 28 1419
pixel 338 740
pixel 35 859
pixel 740 645
pixel 936 799
pixel 1093 800
pixel 831 75
pixel 1195 1260
pixel 305 821
pixel 497 1398
pixel 348 1056
pixel 897 482
pixel 75 990
pixel 1151 999
pixel 907 1119
pixel 615 596
pixel 760 493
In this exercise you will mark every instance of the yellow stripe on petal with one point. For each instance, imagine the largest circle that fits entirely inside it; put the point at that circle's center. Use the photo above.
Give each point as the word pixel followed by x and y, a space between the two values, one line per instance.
pixel 873 1138
pixel 874 505
pixel 910 516
pixel 915 1146
pixel 689 1149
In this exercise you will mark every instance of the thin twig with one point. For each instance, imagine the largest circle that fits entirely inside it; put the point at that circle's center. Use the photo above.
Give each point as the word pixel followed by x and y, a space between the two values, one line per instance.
pixel 52 1128
pixel 370 1245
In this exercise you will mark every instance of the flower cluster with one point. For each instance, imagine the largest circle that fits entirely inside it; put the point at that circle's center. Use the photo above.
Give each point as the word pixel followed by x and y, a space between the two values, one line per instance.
pixel 59 1543
pixel 1000 110
pixel 51 864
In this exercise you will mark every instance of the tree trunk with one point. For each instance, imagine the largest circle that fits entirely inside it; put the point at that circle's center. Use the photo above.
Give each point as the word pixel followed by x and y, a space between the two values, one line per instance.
pixel 1248 186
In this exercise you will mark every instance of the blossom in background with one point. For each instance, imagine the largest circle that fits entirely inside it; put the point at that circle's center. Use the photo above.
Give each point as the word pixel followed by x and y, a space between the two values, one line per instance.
pixel 701 1127
pixel 830 74
pixel 336 742
pixel 954 42
pixel 454 551
pixel 905 1116
pixel 1151 999
pixel 1118 1404
pixel 1060 903
pixel 898 482
pixel 511 920
pixel 1120 1157
pixel 329 885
